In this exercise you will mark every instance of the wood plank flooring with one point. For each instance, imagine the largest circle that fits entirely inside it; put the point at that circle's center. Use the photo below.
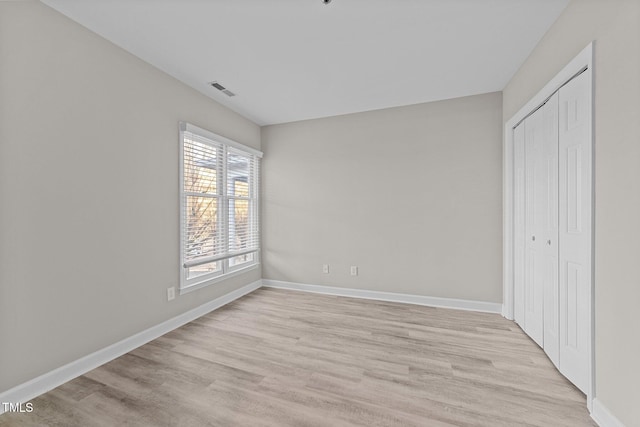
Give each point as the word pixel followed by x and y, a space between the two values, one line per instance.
pixel 286 358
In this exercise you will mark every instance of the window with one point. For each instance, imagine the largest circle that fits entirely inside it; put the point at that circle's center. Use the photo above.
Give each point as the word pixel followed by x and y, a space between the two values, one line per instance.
pixel 219 206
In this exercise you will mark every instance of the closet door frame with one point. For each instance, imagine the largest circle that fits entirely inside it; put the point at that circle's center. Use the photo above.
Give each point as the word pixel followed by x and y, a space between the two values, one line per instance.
pixel 583 61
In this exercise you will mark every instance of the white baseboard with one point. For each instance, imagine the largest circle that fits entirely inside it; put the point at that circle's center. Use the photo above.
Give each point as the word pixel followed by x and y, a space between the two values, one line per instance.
pixel 24 392
pixel 603 416
pixel 459 304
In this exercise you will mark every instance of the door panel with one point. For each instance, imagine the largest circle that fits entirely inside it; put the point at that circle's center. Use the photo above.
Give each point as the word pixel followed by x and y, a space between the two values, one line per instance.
pixel 519 223
pixel 535 214
pixel 575 197
pixel 549 229
pixel 573 279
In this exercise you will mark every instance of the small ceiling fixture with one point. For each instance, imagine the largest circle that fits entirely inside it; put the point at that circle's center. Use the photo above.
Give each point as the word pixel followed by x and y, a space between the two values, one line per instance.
pixel 222 88
pixel 326 1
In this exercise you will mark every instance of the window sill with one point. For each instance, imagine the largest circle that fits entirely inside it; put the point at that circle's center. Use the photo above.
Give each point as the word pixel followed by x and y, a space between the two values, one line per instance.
pixel 196 286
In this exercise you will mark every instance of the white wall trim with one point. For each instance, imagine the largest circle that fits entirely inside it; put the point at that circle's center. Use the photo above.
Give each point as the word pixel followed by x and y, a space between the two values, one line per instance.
pixel 459 304
pixel 186 126
pixel 603 416
pixel 24 392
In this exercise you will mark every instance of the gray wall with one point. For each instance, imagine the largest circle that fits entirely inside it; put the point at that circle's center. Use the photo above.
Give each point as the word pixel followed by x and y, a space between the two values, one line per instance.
pixel 615 26
pixel 410 195
pixel 89 191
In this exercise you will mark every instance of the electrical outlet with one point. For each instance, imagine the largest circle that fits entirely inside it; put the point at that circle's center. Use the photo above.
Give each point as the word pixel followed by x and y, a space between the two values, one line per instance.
pixel 325 268
pixel 354 270
pixel 171 293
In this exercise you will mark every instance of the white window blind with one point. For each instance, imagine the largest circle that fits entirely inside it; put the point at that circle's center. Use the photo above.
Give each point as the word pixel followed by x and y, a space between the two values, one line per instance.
pixel 219 189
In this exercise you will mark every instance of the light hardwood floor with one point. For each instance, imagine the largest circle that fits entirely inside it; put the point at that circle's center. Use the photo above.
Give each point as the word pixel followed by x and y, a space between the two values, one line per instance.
pixel 286 358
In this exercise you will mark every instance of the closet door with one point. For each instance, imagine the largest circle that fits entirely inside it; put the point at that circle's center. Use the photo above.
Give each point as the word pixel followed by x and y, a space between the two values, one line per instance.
pixel 534 214
pixel 549 225
pixel 519 223
pixel 575 228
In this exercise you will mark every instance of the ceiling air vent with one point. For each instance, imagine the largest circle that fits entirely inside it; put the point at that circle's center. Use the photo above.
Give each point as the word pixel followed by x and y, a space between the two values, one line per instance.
pixel 222 88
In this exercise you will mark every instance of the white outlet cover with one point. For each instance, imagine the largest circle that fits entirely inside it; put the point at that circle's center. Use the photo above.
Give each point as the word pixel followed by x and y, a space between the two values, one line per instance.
pixel 325 268
pixel 354 270
pixel 171 293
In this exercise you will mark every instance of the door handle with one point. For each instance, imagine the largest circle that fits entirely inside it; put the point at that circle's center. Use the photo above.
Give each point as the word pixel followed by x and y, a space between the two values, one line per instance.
pixel 533 238
pixel 549 242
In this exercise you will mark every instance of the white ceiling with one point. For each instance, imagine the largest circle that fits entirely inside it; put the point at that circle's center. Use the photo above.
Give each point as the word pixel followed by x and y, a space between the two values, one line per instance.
pixel 291 60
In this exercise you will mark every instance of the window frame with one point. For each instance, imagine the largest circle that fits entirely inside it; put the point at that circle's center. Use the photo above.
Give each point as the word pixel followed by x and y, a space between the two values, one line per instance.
pixel 223 146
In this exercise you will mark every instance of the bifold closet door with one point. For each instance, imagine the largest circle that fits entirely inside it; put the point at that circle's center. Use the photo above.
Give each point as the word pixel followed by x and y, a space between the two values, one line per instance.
pixel 553 187
pixel 536 226
pixel 575 228
pixel 534 216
